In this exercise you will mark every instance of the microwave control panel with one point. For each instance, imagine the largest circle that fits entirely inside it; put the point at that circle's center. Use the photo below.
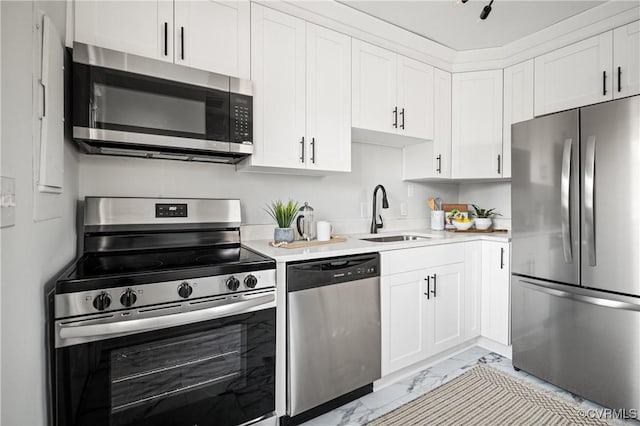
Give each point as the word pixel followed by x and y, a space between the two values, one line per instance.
pixel 241 118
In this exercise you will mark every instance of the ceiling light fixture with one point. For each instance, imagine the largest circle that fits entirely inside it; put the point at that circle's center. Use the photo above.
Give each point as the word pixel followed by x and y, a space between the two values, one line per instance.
pixel 486 11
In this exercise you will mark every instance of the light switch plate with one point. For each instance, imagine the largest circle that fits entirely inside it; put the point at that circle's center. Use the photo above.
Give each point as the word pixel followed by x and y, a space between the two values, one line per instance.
pixel 7 201
pixel 410 190
pixel 404 210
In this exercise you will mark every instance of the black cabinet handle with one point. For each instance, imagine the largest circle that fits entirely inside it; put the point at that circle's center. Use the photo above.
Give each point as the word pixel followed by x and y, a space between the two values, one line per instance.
pixel 182 43
pixel 499 158
pixel 166 37
pixel 434 285
pixel 619 79
pixel 395 117
pixel 501 257
pixel 402 114
pixel 439 158
pixel 302 155
pixel 313 150
pixel 428 288
pixel 604 83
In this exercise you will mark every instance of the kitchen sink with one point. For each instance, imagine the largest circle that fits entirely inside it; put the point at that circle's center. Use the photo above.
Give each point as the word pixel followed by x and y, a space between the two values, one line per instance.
pixel 395 238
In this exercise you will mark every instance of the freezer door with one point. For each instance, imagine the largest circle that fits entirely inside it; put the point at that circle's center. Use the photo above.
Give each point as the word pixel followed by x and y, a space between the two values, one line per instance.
pixel 545 198
pixel 610 155
pixel 585 341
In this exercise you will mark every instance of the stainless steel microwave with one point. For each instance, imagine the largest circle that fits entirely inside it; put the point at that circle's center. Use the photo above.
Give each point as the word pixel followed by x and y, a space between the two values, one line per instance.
pixel 130 105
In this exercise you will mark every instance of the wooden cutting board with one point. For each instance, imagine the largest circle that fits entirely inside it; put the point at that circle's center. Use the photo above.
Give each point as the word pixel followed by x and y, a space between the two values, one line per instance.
pixel 460 207
pixel 301 244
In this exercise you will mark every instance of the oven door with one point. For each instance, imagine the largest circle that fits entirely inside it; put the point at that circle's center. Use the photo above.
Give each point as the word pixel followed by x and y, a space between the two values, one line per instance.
pixel 215 372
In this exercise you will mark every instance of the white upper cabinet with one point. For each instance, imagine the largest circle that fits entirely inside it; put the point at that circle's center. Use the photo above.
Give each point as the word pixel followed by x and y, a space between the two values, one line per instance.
pixel 518 105
pixel 212 35
pixel 626 60
pixel 278 74
pixel 142 28
pixel 328 99
pixel 374 88
pixel 205 34
pixel 302 84
pixel 432 159
pixel 392 94
pixel 415 98
pixel 476 134
pixel 575 75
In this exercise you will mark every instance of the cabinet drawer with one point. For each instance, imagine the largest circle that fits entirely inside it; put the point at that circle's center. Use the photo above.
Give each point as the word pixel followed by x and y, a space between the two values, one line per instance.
pixel 405 260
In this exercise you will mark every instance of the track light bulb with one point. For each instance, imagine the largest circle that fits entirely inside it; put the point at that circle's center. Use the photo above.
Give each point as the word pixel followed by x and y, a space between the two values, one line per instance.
pixel 486 11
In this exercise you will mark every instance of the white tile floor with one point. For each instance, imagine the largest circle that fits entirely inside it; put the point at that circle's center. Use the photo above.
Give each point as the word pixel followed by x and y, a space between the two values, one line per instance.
pixel 370 406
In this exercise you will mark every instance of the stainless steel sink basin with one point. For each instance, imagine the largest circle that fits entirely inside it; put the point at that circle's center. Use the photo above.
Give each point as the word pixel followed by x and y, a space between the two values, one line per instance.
pixel 395 238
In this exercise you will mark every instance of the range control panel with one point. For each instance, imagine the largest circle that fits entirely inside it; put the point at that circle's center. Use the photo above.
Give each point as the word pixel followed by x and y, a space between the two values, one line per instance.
pixel 171 210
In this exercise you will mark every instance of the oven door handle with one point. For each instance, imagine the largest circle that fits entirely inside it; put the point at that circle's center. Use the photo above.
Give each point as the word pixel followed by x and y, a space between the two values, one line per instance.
pixel 146 324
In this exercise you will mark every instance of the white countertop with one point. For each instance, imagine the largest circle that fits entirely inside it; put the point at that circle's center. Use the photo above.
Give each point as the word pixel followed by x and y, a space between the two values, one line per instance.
pixel 354 245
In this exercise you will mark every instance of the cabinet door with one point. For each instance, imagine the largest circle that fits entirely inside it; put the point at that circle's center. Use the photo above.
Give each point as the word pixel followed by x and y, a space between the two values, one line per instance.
pixel 445 308
pixel 278 74
pixel 442 124
pixel 477 125
pixel 626 60
pixel 496 292
pixel 374 87
pixel 138 27
pixel 415 98
pixel 473 288
pixel 518 105
pixel 328 99
pixel 575 75
pixel 403 320
pixel 213 35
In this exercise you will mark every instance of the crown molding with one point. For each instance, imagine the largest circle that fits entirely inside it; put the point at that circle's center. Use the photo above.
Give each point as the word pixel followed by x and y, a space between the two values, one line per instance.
pixel 349 21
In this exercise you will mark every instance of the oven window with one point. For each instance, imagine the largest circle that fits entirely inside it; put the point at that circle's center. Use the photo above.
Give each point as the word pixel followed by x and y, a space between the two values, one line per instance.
pixel 219 372
pixel 151 375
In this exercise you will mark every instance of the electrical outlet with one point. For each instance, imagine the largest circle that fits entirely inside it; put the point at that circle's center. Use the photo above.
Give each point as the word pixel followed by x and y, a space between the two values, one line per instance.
pixel 404 209
pixel 410 190
pixel 7 202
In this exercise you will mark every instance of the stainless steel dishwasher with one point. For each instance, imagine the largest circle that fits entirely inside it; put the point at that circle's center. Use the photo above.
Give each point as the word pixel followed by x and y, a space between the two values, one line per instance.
pixel 333 332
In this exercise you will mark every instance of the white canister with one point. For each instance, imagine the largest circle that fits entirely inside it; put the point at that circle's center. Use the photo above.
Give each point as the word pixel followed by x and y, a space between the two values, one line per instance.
pixel 323 229
pixel 437 220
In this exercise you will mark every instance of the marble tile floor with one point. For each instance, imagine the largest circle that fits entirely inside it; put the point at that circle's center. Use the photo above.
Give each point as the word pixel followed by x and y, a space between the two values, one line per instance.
pixel 374 405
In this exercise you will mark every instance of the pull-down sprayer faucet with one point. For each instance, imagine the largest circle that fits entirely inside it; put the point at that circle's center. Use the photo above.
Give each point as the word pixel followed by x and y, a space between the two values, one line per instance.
pixel 385 205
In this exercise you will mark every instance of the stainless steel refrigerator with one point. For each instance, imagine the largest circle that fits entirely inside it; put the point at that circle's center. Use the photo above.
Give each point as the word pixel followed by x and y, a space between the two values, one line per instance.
pixel 575 289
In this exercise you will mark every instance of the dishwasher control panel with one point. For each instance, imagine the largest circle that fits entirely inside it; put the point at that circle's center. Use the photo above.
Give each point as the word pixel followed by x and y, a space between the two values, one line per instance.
pixel 309 274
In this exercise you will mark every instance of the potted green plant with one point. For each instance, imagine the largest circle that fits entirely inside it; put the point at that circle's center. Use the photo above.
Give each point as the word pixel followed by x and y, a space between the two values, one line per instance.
pixel 283 214
pixel 483 217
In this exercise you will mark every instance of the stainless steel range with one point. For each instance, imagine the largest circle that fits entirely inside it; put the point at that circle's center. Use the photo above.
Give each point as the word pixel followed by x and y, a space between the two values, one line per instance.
pixel 165 318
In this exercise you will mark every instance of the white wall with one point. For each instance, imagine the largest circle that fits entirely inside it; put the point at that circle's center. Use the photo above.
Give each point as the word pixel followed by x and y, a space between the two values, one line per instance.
pixel 32 252
pixel 336 198
pixel 489 195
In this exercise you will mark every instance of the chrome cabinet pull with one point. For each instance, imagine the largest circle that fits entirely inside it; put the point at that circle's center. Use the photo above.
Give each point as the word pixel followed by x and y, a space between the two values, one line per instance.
pixel 589 198
pixel 565 200
pixel 439 168
pixel 302 155
pixel 434 285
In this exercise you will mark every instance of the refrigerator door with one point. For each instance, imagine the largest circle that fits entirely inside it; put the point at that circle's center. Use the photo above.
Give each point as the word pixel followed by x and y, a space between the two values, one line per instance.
pixel 584 341
pixel 610 155
pixel 545 198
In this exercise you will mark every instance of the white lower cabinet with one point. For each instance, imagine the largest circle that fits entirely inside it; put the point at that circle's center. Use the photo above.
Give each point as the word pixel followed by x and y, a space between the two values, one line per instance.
pixel 496 305
pixel 422 310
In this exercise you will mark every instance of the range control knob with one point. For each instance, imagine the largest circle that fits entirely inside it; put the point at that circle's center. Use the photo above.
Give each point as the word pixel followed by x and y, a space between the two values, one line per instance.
pixel 102 301
pixel 185 290
pixel 128 298
pixel 250 281
pixel 233 284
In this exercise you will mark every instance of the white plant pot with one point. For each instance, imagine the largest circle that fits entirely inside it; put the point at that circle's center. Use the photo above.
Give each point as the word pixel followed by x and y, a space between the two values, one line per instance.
pixel 483 222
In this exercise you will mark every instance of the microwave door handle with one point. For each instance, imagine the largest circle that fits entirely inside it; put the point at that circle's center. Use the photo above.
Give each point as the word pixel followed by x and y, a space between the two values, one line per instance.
pixel 147 324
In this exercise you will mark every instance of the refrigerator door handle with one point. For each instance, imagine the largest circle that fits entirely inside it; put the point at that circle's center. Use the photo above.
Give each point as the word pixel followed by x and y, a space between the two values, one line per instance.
pixel 589 198
pixel 565 197
pixel 608 303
